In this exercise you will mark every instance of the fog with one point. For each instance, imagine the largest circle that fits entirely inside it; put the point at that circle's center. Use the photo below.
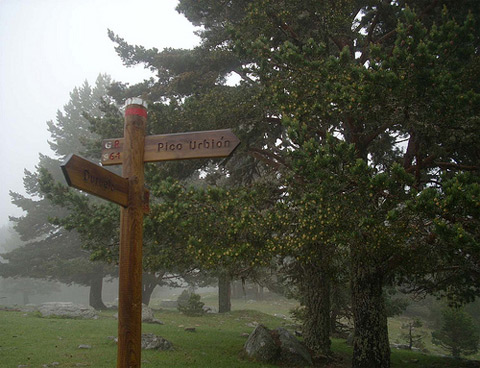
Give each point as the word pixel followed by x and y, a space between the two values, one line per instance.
pixel 49 47
pixel 25 291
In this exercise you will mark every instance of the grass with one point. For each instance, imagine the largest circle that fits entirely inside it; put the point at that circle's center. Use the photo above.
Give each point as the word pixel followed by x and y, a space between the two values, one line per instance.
pixel 29 340
pixel 26 339
pixel 395 334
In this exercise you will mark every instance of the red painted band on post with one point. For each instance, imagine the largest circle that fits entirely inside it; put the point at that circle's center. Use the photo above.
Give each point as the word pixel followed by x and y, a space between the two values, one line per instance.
pixel 136 111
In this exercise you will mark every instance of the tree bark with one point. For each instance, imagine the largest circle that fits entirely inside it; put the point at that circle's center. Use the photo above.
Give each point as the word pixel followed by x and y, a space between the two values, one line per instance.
pixel 224 293
pixel 315 288
pixel 95 297
pixel 237 290
pixel 260 292
pixel 371 348
pixel 148 286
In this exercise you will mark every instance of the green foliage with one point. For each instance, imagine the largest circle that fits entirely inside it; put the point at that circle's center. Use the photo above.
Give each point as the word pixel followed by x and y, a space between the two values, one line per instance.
pixel 395 303
pixel 411 337
pixel 50 250
pixel 211 227
pixel 189 304
pixel 351 112
pixel 70 131
pixel 453 236
pixel 458 334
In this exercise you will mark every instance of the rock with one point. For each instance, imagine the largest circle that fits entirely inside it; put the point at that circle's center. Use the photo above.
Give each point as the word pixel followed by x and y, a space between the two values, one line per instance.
pixel 261 345
pixel 190 329
pixel 292 351
pixel 400 346
pixel 84 346
pixel 245 335
pixel 209 310
pixel 154 342
pixel 277 346
pixel 147 314
pixel 66 310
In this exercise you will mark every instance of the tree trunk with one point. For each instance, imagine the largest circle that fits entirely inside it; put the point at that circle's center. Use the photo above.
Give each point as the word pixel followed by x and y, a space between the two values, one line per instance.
pixel 95 298
pixel 237 290
pixel 371 347
pixel 260 292
pixel 224 293
pixel 147 291
pixel 333 322
pixel 316 297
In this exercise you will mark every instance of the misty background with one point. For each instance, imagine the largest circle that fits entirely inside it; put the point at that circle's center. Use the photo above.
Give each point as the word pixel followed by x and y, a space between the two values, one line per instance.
pixel 49 47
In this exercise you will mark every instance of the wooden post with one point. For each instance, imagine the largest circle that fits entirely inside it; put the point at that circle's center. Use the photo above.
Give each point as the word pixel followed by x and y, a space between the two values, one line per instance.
pixel 129 192
pixel 131 238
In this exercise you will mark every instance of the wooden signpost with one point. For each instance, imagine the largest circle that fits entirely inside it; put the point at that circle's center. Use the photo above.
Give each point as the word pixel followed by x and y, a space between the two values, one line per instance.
pixel 132 151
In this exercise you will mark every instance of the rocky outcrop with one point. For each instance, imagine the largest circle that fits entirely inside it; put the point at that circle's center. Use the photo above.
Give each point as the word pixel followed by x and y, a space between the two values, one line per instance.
pixel 154 342
pixel 261 345
pixel 66 310
pixel 277 346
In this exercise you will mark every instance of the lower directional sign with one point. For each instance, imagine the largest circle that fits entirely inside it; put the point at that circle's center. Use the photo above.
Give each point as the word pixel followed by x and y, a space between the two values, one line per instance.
pixel 94 179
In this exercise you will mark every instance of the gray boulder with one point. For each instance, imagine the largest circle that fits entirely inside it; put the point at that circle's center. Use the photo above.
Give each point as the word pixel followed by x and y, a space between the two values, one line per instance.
pixel 209 310
pixel 153 342
pixel 293 352
pixel 147 314
pixel 261 345
pixel 277 346
pixel 66 310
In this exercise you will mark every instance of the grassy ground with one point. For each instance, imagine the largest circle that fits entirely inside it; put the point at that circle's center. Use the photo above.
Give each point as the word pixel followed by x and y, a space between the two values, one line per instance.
pixel 27 340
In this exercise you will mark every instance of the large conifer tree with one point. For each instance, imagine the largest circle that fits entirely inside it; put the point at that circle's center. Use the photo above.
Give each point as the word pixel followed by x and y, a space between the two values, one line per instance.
pixel 362 106
pixel 52 252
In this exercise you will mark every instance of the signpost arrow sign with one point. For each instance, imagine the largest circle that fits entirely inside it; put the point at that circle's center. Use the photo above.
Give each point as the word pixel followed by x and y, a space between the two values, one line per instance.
pixel 85 175
pixel 178 146
pixel 127 192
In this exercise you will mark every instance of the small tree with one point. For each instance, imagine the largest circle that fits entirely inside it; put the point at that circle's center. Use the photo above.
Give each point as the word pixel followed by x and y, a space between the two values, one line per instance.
pixel 458 333
pixel 190 304
pixel 413 336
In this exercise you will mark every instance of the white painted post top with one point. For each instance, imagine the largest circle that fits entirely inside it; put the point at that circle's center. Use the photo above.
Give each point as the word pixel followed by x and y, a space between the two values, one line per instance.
pixel 136 101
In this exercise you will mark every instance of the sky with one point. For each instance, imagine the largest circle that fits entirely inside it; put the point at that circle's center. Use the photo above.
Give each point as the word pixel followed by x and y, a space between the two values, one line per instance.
pixel 49 47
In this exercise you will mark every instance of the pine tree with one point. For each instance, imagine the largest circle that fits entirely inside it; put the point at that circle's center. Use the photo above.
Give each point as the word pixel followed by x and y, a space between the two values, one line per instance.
pixel 51 252
pixel 458 333
pixel 328 95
